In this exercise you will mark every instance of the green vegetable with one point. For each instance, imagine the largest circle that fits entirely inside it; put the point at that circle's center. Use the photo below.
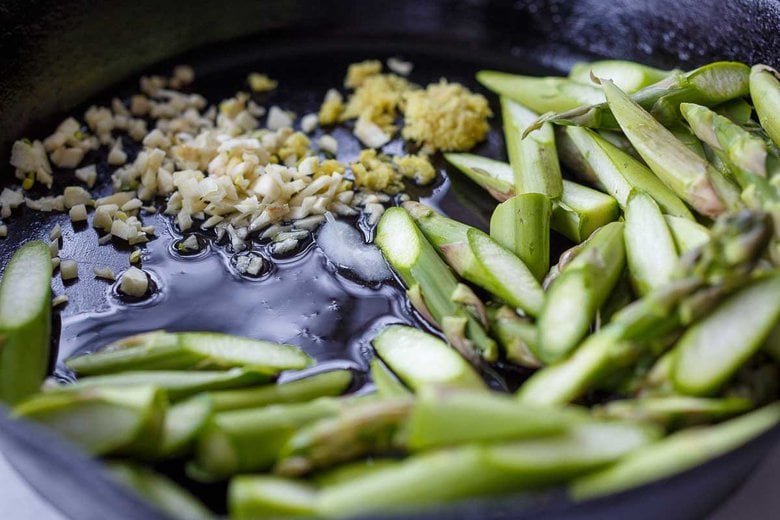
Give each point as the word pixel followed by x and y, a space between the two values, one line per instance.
pixel 183 422
pixel 673 409
pixel 541 94
pixel 25 321
pixel 387 384
pixel 765 94
pixel 627 75
pixel 522 224
pixel 517 335
pixel 688 234
pixel 263 496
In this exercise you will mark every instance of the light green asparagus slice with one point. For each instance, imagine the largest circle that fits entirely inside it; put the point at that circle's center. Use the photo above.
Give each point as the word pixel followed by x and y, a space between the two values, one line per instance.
pixel 102 420
pixel 650 248
pixel 352 470
pixel 161 350
pixel 387 384
pixel 263 496
pixel 522 224
pixel 479 259
pixel 551 94
pixel 619 173
pixel 432 286
pixel 517 335
pixel 534 159
pixel 326 384
pixel 241 441
pixel 25 321
pixel 688 234
pixel 684 172
pixel 364 429
pixel 178 384
pixel 575 296
pixel 710 85
pixel 496 177
pixel 446 418
pixel 443 476
pixel 183 422
pixel 673 410
pixel 712 349
pixel 421 360
pixel 160 491
pixel 765 94
pixel 677 453
pixel 627 75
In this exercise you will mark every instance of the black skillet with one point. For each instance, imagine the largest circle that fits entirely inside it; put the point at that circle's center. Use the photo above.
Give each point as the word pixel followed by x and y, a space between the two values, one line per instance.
pixel 56 57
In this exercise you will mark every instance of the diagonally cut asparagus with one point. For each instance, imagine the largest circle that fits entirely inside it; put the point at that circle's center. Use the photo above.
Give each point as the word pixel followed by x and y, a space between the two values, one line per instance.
pixel 522 224
pixel 620 173
pixel 575 296
pixel 765 94
pixel 541 95
pixel 479 259
pixel 676 453
pixel 627 75
pixel 386 382
pixel 711 350
pixel 431 285
pixel 688 234
pixel 516 334
pixel 650 247
pixel 673 410
pixel 421 360
pixel 265 496
pixel 159 350
pixel 684 172
pixel 183 422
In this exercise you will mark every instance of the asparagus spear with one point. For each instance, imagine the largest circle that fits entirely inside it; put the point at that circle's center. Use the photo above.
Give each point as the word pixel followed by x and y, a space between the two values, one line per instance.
pixel 387 384
pixel 737 110
pixel 160 491
pixel 620 173
pixel 326 384
pixel 579 212
pixel 477 258
pixel 551 94
pixel 367 428
pixel 765 94
pixel 522 224
pixel 183 422
pixel 241 441
pixel 713 349
pixel 673 410
pixel 650 248
pixel 432 285
pixel 25 322
pixel 403 348
pixel 575 296
pixel 264 496
pixel 518 336
pixel 177 384
pixel 446 475
pixel 446 418
pixel 677 453
pixel 627 75
pixel 161 350
pixel 102 420
pixel 684 172
pixel 688 234
pixel 710 85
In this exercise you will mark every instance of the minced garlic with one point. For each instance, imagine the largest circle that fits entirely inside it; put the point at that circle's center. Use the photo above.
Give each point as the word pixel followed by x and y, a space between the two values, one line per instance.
pixel 134 282
pixel 332 108
pixel 69 270
pixel 261 82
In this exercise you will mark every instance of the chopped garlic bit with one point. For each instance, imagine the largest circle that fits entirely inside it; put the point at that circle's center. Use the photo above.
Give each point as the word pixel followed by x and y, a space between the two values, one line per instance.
pixel 445 116
pixel 3 231
pixel 69 270
pixel 10 200
pixel 117 156
pixel 190 244
pixel 328 143
pixel 87 175
pixel 75 195
pixel 134 282
pixel 58 300
pixel 278 118
pixel 135 257
pixel 399 66
pixel 358 72
pixel 55 233
pixel 29 158
pixel 78 213
pixel 55 263
pixel 105 273
pixel 309 123
pixel 182 75
pixel 261 82
pixel 46 204
pixel 369 133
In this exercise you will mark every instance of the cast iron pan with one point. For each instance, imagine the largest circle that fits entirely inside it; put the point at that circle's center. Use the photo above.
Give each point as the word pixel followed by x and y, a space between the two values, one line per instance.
pixel 58 57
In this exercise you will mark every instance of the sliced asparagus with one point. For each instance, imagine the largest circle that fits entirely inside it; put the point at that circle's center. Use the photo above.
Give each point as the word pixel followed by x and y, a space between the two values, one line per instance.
pixel 182 424
pixel 25 321
pixel 241 441
pixel 541 95
pixel 387 384
pixel 710 351
pixel 673 410
pixel 676 453
pixel 688 234
pixel 421 360
pixel 522 224
pixel 263 496
pixel 326 384
pixel 161 350
pixel 163 493
pixel 627 75
pixel 765 94
pixel 178 384
pixel 575 296
pixel 431 285
pixel 477 258
pixel 620 173
pixel 517 335
pixel 684 172
pixel 364 429
pixel 102 420
pixel 650 247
